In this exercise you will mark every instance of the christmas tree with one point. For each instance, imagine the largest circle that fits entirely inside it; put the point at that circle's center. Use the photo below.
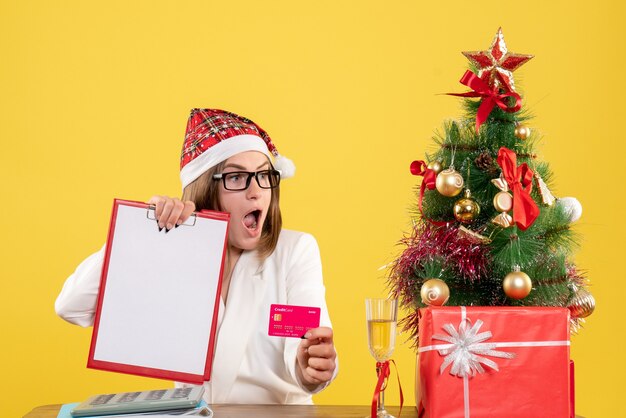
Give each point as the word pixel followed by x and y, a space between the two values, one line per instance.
pixel 487 231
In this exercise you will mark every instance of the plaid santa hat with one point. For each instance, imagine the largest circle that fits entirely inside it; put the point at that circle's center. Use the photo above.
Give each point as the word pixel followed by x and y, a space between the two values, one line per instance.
pixel 214 135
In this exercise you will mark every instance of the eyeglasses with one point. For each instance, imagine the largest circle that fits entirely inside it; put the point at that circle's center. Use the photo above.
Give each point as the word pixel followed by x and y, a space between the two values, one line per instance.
pixel 240 180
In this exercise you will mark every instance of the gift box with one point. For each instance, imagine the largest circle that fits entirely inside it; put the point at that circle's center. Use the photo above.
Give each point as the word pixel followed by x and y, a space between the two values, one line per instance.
pixel 494 362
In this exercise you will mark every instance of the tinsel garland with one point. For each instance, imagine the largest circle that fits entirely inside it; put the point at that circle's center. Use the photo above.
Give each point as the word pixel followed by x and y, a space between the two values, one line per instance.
pixel 466 259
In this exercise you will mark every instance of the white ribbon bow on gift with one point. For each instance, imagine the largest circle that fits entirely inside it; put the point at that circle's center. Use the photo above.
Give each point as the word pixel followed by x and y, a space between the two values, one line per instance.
pixel 466 349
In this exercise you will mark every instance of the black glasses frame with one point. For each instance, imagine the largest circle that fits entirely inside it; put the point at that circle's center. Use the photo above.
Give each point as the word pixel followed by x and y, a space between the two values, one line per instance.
pixel 250 174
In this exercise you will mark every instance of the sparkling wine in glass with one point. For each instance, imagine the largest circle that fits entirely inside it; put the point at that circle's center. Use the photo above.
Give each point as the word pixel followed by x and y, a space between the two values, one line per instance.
pixel 381 317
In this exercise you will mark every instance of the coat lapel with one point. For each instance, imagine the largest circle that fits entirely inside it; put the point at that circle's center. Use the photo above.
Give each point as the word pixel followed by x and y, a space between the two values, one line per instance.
pixel 246 292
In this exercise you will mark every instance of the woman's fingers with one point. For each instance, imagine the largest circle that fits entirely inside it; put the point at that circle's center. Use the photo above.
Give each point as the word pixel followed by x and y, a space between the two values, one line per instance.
pixel 317 355
pixel 321 350
pixel 319 376
pixel 175 207
pixel 321 364
pixel 171 212
pixel 189 208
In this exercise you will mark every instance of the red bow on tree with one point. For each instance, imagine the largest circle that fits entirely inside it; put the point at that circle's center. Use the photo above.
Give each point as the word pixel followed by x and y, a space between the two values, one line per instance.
pixel 520 181
pixel 490 97
pixel 419 168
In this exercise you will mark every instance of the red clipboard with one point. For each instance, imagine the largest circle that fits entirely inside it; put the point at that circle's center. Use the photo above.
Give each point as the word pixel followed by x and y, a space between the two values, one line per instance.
pixel 159 297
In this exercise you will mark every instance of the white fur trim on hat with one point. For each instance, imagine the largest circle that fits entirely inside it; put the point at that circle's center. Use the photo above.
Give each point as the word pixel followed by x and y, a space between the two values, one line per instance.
pixel 220 152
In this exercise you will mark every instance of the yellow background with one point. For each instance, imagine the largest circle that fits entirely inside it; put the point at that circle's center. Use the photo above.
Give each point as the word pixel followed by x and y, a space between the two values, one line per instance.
pixel 94 97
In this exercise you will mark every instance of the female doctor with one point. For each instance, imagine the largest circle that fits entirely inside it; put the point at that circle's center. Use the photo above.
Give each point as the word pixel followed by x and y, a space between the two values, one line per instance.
pixel 226 165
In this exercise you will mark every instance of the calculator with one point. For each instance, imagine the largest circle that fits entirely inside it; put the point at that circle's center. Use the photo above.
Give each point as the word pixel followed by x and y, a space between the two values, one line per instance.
pixel 145 401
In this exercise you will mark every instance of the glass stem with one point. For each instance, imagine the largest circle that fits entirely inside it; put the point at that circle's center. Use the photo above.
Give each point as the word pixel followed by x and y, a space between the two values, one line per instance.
pixel 381 403
pixel 381 396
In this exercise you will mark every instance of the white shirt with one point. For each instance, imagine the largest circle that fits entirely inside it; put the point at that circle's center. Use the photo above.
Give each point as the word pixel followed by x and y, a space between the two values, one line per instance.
pixel 248 366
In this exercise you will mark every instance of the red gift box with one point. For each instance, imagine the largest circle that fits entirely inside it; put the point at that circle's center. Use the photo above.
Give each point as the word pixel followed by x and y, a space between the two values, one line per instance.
pixel 493 362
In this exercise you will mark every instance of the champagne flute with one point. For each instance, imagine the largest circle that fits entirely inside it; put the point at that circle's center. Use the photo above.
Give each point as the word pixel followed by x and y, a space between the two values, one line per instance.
pixel 381 317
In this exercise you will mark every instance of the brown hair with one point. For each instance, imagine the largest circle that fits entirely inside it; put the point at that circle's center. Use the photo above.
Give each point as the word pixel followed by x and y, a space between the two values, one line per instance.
pixel 204 193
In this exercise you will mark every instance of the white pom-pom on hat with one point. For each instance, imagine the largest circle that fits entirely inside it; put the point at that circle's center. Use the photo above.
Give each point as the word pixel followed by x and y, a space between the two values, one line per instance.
pixel 286 167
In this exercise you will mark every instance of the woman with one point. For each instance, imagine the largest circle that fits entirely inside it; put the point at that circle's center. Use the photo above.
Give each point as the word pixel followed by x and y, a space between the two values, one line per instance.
pixel 226 165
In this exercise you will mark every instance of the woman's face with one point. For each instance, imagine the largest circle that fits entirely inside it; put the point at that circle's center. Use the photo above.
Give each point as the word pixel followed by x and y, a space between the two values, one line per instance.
pixel 248 208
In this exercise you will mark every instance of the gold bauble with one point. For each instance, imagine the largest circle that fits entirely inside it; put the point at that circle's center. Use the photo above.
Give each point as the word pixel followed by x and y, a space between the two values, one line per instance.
pixel 435 166
pixel 503 201
pixel 522 132
pixel 517 284
pixel 466 209
pixel 449 182
pixel 434 292
pixel 582 304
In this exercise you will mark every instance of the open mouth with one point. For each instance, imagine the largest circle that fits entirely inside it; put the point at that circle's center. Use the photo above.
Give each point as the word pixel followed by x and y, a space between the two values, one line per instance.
pixel 251 220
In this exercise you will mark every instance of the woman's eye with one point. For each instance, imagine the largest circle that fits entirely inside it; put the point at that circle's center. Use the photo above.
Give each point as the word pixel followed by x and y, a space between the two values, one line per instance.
pixel 234 178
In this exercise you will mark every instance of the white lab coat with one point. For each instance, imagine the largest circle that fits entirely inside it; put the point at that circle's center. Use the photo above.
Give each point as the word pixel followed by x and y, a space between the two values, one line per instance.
pixel 249 366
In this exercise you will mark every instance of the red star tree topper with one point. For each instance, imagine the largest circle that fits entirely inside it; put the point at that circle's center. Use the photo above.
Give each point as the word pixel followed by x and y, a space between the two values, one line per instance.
pixel 496 64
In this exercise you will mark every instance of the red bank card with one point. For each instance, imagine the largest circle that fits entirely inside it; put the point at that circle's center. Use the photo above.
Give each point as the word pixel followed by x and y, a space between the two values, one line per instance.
pixel 292 321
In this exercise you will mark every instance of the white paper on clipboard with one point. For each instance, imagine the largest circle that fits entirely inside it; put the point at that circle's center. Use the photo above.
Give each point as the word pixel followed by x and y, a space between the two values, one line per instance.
pixel 159 295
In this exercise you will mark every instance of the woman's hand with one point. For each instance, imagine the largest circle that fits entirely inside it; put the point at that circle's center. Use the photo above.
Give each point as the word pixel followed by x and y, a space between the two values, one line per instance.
pixel 316 357
pixel 171 211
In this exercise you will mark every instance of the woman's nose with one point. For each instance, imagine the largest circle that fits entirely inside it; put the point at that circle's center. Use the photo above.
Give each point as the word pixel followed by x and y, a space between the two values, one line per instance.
pixel 254 190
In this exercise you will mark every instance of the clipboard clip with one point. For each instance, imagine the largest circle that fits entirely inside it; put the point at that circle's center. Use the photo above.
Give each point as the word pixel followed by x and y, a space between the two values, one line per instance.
pixel 191 221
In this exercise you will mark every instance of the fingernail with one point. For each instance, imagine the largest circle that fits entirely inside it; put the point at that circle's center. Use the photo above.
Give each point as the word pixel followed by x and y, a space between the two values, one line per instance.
pixel 178 222
pixel 170 226
pixel 177 225
pixel 303 337
pixel 161 225
pixel 307 335
pixel 160 228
